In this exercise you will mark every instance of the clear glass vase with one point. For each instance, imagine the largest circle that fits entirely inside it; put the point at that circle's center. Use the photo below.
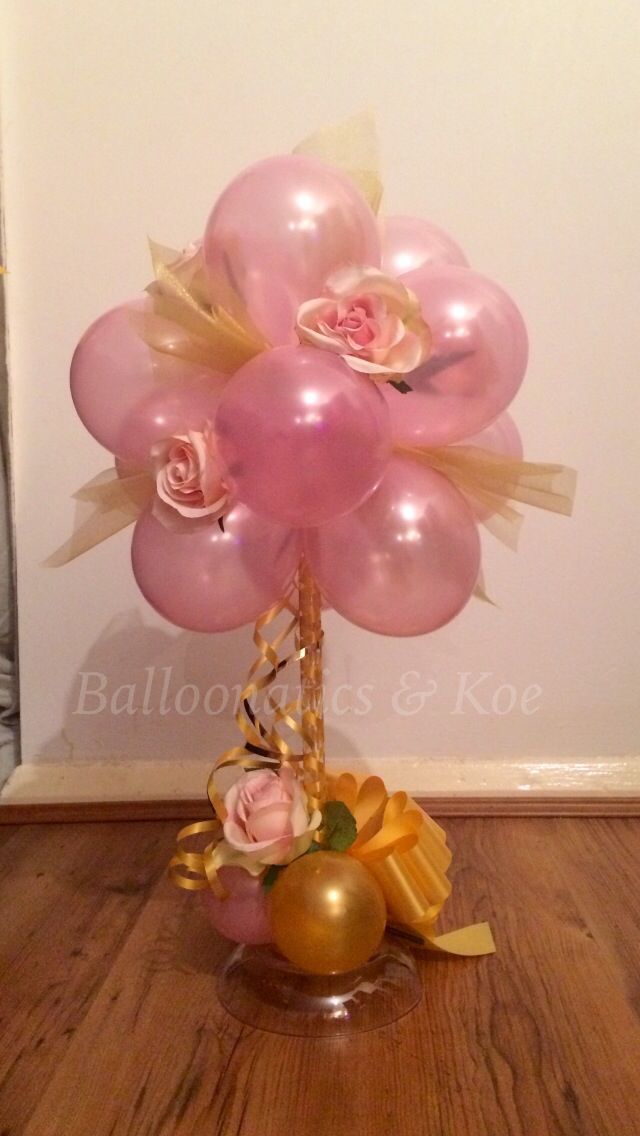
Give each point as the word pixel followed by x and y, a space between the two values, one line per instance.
pixel 260 988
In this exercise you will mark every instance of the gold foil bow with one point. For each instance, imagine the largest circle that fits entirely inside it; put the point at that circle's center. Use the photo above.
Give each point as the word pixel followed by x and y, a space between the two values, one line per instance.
pixel 406 851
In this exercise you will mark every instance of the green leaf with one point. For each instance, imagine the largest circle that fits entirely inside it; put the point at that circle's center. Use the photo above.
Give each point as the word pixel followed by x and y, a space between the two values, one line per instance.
pixel 339 826
pixel 271 875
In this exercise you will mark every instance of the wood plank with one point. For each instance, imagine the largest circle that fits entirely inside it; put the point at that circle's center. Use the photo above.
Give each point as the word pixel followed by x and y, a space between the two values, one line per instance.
pixel 603 859
pixel 561 1041
pixel 539 1039
pixel 73 812
pixel 7 832
pixel 74 894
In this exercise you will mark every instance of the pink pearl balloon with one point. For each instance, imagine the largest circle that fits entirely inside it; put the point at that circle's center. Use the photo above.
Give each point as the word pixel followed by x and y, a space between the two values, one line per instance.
pixel 501 437
pixel 170 410
pixel 304 437
pixel 407 561
pixel 113 373
pixel 410 242
pixel 478 360
pixel 203 579
pixel 278 231
pixel 242 916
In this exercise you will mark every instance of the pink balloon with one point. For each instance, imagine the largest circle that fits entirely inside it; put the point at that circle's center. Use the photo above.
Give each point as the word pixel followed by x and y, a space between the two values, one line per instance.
pixel 410 242
pixel 170 410
pixel 501 437
pixel 278 231
pixel 242 916
pixel 203 579
pixel 114 373
pixel 478 359
pixel 304 437
pixel 407 561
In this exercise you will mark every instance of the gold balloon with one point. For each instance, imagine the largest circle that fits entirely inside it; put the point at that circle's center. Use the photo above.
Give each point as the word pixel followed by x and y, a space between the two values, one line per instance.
pixel 327 913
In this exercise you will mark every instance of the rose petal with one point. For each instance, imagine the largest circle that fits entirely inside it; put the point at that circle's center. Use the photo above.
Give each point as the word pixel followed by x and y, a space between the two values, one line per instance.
pixel 299 817
pixel 270 823
pixel 235 835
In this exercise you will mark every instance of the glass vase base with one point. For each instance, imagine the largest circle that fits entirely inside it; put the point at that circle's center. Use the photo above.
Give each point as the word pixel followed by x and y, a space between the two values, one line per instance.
pixel 261 989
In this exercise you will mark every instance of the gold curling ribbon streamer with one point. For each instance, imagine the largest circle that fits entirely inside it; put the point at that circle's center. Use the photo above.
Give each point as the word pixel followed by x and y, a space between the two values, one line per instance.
pixel 265 744
pixel 352 146
pixel 406 851
pixel 196 871
pixel 493 480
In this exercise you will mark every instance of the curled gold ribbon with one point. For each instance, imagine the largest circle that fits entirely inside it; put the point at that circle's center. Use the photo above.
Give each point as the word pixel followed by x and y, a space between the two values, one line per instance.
pixel 406 851
pixel 266 745
pixel 196 871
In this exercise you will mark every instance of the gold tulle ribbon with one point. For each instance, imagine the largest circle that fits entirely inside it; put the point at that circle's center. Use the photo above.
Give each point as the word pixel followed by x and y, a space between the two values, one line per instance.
pixel 491 481
pixel 406 851
pixel 104 506
pixel 352 146
pixel 184 323
pixel 111 501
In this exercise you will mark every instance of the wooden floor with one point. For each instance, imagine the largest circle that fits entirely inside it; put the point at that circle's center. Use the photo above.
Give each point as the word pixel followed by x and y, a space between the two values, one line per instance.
pixel 110 1024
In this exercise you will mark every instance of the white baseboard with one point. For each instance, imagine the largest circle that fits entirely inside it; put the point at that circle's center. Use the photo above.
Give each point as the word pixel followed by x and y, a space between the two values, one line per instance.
pixel 50 783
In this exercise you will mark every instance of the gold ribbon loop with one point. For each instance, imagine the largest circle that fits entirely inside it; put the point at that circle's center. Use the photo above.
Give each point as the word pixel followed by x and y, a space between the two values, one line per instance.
pixel 406 851
pixel 266 746
pixel 196 871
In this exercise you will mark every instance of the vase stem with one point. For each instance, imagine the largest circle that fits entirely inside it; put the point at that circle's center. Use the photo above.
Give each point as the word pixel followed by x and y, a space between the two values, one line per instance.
pixel 310 635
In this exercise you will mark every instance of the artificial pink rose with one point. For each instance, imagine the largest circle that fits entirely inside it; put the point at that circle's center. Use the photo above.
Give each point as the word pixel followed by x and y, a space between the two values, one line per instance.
pixel 370 319
pixel 268 819
pixel 189 474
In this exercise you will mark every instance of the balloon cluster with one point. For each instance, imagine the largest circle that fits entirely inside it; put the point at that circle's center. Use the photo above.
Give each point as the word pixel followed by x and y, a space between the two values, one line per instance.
pixel 326 913
pixel 375 336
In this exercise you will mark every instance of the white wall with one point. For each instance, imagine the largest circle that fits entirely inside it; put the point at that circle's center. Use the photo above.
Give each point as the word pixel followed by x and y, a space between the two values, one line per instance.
pixel 513 125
